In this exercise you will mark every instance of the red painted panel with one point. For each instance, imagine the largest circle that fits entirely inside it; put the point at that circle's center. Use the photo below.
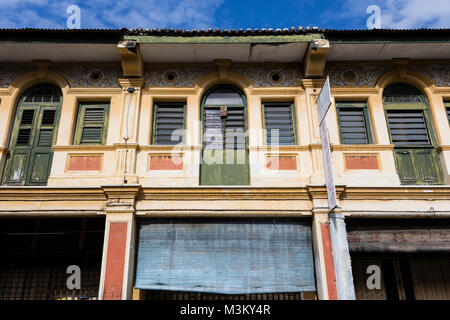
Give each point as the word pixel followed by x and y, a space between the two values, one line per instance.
pixel 166 163
pixel 282 163
pixel 115 261
pixel 329 263
pixel 85 163
pixel 361 162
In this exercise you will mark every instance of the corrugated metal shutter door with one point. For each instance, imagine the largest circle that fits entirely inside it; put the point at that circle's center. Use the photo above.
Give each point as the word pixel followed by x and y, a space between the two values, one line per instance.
pixel 230 257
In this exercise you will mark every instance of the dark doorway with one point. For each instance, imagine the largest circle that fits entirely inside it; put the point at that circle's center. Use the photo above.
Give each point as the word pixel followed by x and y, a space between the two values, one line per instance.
pixel 35 254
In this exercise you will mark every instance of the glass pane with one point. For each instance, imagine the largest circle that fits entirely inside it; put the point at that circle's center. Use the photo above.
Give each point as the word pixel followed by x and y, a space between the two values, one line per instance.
pixel 43 93
pixel 223 96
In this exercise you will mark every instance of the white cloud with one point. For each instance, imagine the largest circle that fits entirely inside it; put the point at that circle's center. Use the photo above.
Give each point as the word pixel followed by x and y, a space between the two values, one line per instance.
pixel 109 14
pixel 395 14
pixel 406 14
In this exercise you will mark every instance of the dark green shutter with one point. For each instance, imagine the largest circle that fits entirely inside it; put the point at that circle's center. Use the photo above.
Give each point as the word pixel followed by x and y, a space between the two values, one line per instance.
pixel 353 123
pixel 411 131
pixel 92 123
pixel 408 127
pixel 169 123
pixel 279 117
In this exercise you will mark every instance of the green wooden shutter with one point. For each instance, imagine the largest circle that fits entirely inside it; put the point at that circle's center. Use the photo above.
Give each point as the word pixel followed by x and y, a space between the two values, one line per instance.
pixel 408 127
pixel 92 123
pixel 353 123
pixel 279 116
pixel 169 123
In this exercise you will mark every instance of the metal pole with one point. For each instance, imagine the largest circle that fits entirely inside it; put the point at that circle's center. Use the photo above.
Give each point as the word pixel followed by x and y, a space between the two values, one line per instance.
pixel 341 257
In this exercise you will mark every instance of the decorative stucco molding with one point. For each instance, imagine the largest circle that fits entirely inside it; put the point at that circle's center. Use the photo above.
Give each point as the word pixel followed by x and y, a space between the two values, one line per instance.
pixel 183 76
pixel 101 77
pixel 356 76
pixel 440 73
pixel 8 73
pixel 261 76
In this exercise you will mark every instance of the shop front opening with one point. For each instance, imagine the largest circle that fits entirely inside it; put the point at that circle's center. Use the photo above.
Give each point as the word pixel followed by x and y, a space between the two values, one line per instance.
pixel 234 259
pixel 35 255
pixel 411 259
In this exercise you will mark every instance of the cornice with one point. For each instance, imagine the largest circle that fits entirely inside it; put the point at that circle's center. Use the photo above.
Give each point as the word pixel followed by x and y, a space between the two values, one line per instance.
pixel 89 148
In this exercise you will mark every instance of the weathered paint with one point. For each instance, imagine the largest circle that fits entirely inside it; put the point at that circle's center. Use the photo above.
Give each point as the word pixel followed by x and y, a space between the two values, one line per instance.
pixel 30 163
pixel 399 240
pixel 225 39
pixel 281 162
pixel 165 162
pixel 328 261
pixel 115 261
pixel 361 162
pixel 84 163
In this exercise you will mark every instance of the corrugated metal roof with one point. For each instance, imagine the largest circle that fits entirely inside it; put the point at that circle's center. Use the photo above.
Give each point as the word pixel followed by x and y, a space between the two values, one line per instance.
pixel 331 33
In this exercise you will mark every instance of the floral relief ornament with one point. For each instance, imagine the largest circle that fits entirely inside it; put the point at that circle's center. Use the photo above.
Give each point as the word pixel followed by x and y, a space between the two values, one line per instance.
pixel 440 73
pixel 175 77
pixel 91 77
pixel 10 73
pixel 356 76
pixel 262 76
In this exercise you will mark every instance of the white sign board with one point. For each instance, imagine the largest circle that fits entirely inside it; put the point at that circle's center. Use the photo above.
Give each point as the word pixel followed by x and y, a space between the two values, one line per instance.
pixel 324 100
pixel 323 103
pixel 328 167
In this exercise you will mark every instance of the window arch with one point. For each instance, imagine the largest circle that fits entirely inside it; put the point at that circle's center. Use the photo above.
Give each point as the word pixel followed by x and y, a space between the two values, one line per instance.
pixel 403 93
pixel 223 95
pixel 46 92
pixel 411 131
pixel 32 136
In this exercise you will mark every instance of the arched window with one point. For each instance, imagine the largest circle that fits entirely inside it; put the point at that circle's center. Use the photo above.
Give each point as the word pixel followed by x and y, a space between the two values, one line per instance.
pixel 43 93
pixel 224 96
pixel 32 136
pixel 411 132
pixel 225 146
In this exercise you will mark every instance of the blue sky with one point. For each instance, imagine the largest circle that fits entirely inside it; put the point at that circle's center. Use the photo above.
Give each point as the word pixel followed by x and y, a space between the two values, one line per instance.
pixel 190 14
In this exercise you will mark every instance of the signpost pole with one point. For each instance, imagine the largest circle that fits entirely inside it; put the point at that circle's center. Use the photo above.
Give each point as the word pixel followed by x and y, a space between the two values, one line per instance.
pixel 338 233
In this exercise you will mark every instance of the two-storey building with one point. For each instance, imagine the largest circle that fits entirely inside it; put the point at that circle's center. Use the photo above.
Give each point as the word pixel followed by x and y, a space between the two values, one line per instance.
pixel 171 164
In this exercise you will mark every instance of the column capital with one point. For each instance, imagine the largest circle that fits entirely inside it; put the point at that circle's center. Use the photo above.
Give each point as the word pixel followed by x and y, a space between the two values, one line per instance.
pixel 312 83
pixel 121 198
pixel 131 82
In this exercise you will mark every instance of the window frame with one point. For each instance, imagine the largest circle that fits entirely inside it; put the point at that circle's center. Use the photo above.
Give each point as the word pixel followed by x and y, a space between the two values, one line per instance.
pixel 154 113
pixel 80 122
pixel 293 120
pixel 447 110
pixel 367 121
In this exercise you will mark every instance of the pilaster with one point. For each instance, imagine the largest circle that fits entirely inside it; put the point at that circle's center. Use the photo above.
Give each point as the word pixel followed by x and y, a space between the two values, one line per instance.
pixel 117 273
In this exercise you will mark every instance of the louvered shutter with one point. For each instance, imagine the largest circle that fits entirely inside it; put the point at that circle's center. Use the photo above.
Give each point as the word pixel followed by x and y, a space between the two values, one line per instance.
pixel 408 127
pixel 279 124
pixel 352 123
pixel 169 123
pixel 92 120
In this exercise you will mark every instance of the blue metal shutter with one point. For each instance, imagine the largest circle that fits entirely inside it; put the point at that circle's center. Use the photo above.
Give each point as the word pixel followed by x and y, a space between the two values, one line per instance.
pixel 227 256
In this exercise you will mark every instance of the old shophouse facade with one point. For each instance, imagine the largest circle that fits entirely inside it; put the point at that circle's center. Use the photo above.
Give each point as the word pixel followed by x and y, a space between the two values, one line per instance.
pixel 173 164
